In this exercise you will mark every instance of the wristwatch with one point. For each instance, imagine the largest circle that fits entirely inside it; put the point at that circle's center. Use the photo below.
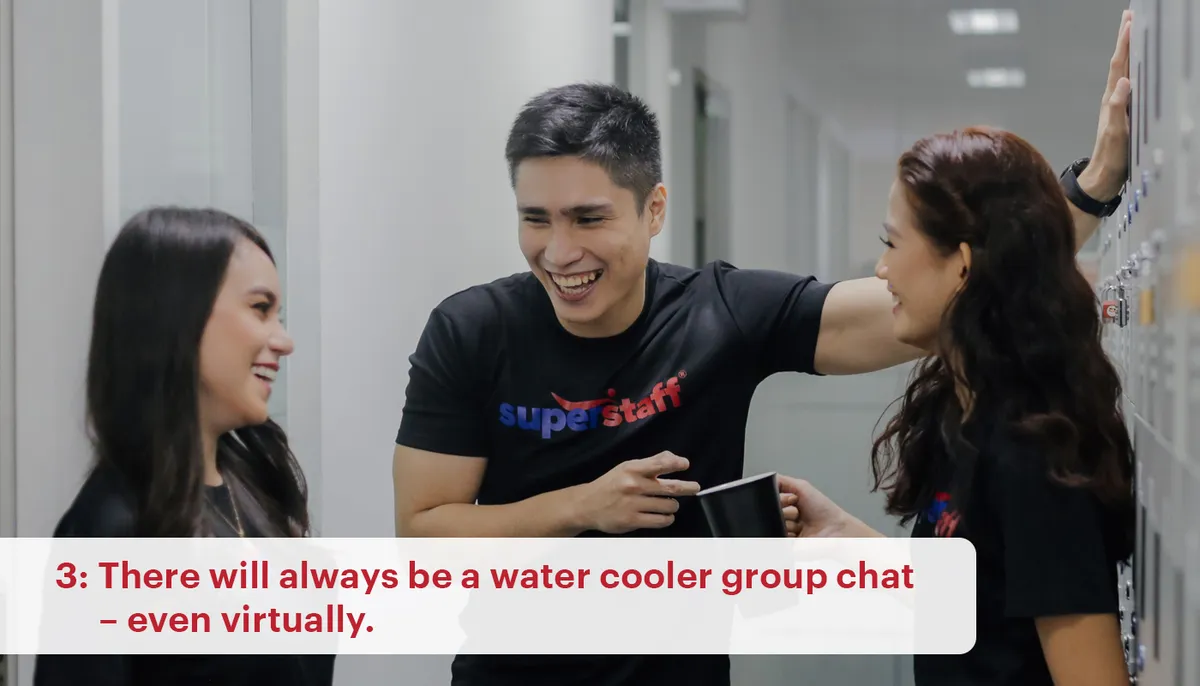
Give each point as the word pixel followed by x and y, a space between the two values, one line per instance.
pixel 1070 183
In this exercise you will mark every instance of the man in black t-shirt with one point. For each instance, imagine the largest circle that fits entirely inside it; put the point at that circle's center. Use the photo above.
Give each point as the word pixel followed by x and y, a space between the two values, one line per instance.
pixel 567 400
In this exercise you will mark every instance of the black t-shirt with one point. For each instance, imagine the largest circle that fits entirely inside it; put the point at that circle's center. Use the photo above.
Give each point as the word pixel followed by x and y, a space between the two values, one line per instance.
pixel 1042 549
pixel 104 508
pixel 495 375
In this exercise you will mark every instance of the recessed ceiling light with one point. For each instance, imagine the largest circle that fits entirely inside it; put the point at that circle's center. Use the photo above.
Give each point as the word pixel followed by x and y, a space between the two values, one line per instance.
pixel 984 22
pixel 996 78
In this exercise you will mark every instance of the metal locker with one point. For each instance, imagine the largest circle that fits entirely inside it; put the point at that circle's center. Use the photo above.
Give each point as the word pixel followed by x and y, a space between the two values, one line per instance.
pixel 1153 254
pixel 1191 639
pixel 1186 282
pixel 1163 579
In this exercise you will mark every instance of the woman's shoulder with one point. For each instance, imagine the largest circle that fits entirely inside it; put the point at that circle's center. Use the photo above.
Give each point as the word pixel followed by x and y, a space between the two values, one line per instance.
pixel 105 507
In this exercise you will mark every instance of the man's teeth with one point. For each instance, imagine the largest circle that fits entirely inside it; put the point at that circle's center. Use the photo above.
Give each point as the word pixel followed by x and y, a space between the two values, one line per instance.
pixel 576 280
pixel 265 372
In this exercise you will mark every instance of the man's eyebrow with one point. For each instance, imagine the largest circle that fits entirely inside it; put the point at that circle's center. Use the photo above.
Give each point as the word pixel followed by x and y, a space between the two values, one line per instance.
pixel 574 211
pixel 589 208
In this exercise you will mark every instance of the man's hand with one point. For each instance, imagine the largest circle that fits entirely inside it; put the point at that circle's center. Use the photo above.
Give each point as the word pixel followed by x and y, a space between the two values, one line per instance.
pixel 1109 168
pixel 632 496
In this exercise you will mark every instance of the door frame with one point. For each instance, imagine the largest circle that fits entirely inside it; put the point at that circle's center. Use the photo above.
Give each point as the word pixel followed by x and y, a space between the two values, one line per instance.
pixel 8 388
pixel 711 169
pixel 8 506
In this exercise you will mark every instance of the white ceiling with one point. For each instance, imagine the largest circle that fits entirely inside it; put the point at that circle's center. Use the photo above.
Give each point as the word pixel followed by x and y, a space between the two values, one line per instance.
pixel 889 71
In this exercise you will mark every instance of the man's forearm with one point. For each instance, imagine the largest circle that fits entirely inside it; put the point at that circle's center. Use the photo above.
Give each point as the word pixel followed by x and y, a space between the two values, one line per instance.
pixel 547 515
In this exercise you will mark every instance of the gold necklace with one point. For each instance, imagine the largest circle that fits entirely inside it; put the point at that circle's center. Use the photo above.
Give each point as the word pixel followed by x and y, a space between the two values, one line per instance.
pixel 232 505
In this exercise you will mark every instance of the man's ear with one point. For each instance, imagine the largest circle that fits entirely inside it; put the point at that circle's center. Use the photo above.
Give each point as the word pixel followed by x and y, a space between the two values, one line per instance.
pixel 656 205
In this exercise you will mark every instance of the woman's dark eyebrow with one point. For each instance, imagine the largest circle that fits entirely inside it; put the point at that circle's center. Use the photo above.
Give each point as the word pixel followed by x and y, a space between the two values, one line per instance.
pixel 265 292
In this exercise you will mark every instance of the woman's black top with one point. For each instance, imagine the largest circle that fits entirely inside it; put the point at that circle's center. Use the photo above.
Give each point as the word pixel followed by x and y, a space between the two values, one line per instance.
pixel 104 509
pixel 1042 549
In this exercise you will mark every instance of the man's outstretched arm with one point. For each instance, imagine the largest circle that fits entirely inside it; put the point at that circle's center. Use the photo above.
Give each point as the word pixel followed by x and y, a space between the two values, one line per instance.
pixel 856 330
pixel 435 497
pixel 856 321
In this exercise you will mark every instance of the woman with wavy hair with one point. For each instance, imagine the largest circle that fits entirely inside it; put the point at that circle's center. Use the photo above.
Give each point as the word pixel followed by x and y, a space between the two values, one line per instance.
pixel 186 343
pixel 1010 433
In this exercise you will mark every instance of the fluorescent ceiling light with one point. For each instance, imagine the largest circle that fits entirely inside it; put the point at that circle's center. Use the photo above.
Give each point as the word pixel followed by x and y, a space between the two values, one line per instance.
pixel 984 22
pixel 996 78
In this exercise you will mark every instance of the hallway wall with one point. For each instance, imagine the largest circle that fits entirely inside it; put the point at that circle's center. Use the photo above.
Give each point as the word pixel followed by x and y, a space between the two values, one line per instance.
pixel 396 196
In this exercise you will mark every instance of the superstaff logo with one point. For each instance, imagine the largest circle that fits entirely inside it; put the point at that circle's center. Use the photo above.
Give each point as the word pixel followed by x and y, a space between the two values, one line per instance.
pixel 585 415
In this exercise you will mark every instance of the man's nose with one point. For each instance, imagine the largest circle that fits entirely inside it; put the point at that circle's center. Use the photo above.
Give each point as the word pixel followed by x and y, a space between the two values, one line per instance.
pixel 563 249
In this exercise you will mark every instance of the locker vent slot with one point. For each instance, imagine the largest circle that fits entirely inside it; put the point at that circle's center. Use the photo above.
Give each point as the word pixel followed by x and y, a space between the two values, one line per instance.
pixel 1139 568
pixel 1187 41
pixel 1141 119
pixel 1145 85
pixel 1158 60
pixel 1179 628
pixel 1157 595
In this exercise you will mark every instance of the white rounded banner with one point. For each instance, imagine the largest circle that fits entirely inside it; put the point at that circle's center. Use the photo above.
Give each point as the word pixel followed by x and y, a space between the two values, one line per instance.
pixel 497 596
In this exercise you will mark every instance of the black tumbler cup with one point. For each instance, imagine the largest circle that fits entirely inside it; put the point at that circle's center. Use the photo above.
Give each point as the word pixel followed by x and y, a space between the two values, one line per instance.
pixel 746 508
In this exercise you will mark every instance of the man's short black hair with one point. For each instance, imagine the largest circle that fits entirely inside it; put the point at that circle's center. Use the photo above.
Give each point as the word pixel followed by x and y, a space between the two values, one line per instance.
pixel 597 122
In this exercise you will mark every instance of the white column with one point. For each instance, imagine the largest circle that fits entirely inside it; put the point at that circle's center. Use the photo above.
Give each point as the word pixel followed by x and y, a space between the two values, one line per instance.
pixel 61 203
pixel 745 57
pixel 60 72
pixel 301 203
pixel 650 67
pixel 415 104
pixel 416 100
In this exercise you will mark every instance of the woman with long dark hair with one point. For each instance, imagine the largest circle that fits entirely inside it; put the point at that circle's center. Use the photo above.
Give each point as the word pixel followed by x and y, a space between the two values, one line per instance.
pixel 1010 433
pixel 186 343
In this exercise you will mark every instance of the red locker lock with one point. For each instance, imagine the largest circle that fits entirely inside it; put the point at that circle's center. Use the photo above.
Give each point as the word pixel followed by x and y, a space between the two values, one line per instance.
pixel 1110 310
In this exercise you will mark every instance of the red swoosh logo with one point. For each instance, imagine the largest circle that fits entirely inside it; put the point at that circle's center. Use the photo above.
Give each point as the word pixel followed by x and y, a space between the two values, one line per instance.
pixel 582 405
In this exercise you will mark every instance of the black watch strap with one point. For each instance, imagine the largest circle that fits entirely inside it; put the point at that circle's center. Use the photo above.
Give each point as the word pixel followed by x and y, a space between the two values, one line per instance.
pixel 1070 183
